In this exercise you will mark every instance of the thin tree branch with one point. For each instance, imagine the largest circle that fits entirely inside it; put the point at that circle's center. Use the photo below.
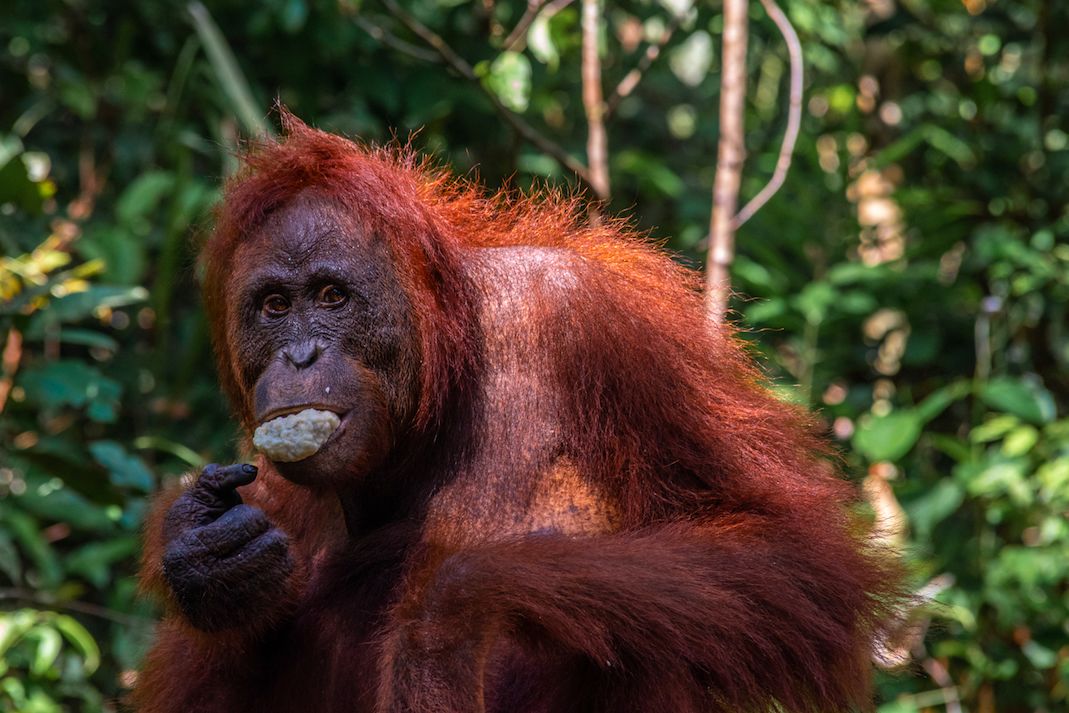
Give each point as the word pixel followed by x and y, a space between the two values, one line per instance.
pixel 938 673
pixel 520 31
pixel 597 143
pixel 465 70
pixel 384 36
pixel 731 151
pixel 517 39
pixel 794 116
pixel 31 597
pixel 653 51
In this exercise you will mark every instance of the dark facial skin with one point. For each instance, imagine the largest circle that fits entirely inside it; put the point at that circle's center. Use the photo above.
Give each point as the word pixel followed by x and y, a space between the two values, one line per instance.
pixel 321 322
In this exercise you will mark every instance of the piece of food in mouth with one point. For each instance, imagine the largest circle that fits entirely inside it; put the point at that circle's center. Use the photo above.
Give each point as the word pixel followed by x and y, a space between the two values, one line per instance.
pixel 295 437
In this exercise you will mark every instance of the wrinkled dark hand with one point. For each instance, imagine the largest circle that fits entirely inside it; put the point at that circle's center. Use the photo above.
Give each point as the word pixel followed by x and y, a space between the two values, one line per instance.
pixel 224 560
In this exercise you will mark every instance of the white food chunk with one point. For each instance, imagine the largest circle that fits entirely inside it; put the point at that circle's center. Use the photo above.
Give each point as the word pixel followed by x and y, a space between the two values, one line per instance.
pixel 296 436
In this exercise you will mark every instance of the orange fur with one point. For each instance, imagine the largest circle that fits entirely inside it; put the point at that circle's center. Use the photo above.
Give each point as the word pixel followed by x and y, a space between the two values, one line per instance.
pixel 598 507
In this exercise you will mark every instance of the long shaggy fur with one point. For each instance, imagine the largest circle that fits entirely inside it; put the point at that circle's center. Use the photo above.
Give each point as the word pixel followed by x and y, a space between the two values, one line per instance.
pixel 735 576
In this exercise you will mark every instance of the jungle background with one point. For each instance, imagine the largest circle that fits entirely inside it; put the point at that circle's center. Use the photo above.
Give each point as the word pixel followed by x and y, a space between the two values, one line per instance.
pixel 909 281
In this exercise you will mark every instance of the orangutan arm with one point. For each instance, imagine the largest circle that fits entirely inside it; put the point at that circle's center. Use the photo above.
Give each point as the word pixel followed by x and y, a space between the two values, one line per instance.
pixel 727 615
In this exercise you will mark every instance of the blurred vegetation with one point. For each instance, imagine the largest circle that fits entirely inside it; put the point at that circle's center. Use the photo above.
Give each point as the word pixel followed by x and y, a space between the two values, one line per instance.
pixel 911 280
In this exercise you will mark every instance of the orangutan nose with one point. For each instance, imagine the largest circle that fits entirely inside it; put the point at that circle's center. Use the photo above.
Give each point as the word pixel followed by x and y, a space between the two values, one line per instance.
pixel 303 354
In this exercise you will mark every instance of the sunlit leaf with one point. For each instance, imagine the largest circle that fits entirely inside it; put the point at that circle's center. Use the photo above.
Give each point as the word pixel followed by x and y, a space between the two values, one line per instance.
pixel 1000 477
pixel 80 305
pixel 691 60
pixel 82 640
pixel 1024 399
pixel 47 650
pixel 1020 441
pixel 540 40
pixel 509 77
pixel 888 437
pixel 994 428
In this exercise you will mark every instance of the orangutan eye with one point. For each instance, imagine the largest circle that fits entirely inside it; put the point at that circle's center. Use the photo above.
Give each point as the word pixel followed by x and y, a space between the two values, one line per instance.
pixel 331 296
pixel 275 306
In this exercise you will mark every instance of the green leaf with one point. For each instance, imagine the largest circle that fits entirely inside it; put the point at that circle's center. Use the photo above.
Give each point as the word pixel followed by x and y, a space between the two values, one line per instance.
pixel 1025 399
pixel 1038 655
pixel 768 310
pixel 88 338
pixel 77 95
pixel 509 78
pixel 10 565
pixel 229 75
pixel 994 428
pixel 82 337
pixel 14 689
pixel 758 275
pixel 13 626
pixel 94 561
pixel 294 15
pixel 16 186
pixel 856 302
pixel 540 40
pixel 691 60
pixel 10 147
pixel 937 503
pixel 997 478
pixel 1020 441
pixel 26 532
pixel 888 437
pixel 72 383
pixel 651 172
pixel 183 452
pixel 64 504
pixel 958 150
pixel 1054 479
pixel 79 305
pixel 58 457
pixel 952 446
pixel 849 273
pixel 123 254
pixel 141 197
pixel 935 136
pixel 49 643
pixel 939 399
pixel 82 640
pixel 124 470
pixel 902 706
pixel 538 165
pixel 815 300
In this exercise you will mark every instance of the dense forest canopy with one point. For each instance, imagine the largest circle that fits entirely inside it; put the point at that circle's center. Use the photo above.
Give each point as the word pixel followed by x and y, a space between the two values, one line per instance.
pixel 910 280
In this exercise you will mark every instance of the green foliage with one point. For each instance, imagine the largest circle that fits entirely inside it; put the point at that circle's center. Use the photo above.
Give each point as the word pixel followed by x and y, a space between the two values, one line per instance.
pixel 44 660
pixel 911 279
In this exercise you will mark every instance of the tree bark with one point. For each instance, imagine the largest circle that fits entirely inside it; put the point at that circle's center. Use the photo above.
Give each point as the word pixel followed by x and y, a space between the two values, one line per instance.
pixel 731 152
